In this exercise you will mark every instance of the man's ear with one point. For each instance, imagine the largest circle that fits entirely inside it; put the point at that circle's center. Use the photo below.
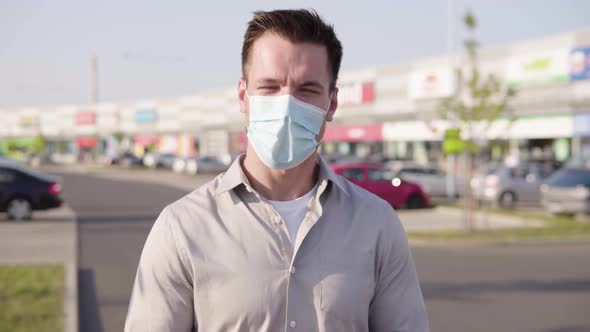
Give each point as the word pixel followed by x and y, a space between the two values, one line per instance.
pixel 333 105
pixel 242 94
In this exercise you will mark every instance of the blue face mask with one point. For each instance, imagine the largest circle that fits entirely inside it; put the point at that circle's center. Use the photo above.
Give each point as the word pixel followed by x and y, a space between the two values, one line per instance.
pixel 283 129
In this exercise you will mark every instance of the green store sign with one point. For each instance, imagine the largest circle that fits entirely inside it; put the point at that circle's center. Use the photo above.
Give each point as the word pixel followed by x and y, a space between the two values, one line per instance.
pixel 546 68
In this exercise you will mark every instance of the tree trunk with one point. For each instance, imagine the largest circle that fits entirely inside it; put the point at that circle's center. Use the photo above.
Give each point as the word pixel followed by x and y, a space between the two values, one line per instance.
pixel 468 197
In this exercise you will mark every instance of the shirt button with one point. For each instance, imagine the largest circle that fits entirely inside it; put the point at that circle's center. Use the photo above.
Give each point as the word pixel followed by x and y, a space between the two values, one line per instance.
pixel 277 220
pixel 292 270
pixel 292 324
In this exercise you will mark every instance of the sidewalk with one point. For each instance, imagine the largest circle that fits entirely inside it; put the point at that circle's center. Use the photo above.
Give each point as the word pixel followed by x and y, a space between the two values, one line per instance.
pixel 51 237
pixel 443 218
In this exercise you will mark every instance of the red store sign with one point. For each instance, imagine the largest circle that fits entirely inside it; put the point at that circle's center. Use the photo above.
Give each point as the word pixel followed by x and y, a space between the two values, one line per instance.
pixel 86 142
pixel 360 133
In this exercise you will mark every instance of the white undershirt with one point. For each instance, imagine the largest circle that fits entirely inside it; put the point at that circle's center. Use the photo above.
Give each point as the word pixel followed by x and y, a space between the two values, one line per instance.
pixel 294 211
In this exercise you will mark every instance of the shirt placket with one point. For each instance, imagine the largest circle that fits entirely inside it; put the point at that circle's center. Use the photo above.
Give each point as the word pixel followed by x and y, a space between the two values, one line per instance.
pixel 310 219
pixel 269 214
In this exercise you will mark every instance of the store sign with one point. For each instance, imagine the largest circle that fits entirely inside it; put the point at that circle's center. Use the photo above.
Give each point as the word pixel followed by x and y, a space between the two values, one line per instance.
pixel 351 94
pixel 361 133
pixel 85 118
pixel 435 83
pixel 543 68
pixel 580 64
pixel 86 142
pixel 144 116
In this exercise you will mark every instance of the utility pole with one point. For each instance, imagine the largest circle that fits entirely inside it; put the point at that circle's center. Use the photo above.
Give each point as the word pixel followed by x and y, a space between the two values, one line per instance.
pixel 94 79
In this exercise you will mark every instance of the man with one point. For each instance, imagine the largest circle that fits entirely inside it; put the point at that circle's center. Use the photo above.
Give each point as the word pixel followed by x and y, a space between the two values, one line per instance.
pixel 279 242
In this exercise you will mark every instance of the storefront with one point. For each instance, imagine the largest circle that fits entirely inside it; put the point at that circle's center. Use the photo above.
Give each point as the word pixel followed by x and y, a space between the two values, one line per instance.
pixel 16 148
pixel 581 139
pixel 536 137
pixel 86 136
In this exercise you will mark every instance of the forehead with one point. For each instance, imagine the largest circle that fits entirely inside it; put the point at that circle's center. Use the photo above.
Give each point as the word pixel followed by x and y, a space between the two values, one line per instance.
pixel 273 56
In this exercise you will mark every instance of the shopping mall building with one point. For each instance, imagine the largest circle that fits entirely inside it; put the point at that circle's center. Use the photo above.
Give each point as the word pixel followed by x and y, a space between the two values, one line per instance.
pixel 389 110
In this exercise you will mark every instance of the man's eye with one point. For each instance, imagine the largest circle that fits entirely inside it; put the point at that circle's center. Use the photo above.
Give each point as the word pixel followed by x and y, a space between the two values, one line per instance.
pixel 310 91
pixel 267 88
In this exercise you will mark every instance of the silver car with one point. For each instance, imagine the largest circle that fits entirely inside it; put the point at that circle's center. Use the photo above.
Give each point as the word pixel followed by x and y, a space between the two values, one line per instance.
pixel 431 179
pixel 508 186
pixel 200 164
pixel 567 192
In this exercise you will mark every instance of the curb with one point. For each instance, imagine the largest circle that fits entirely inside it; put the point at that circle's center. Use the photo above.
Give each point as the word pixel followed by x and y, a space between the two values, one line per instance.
pixel 72 286
pixel 423 243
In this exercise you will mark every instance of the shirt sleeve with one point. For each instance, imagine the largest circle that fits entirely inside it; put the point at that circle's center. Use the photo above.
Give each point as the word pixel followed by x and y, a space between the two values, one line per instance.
pixel 397 304
pixel 162 296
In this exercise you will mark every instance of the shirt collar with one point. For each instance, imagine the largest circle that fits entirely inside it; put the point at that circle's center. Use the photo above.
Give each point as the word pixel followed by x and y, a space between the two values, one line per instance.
pixel 234 176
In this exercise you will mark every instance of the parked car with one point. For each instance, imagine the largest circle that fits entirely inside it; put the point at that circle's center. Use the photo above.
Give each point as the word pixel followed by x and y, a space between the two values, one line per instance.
pixel 23 190
pixel 384 183
pixel 340 158
pixel 159 160
pixel 567 192
pixel 128 159
pixel 204 164
pixel 431 179
pixel 507 186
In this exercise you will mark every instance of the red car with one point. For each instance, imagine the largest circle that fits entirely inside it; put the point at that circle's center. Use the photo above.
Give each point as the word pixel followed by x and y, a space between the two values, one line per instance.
pixel 384 183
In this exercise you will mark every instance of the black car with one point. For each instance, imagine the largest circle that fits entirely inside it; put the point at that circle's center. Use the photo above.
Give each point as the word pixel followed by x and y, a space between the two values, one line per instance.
pixel 23 190
pixel 567 192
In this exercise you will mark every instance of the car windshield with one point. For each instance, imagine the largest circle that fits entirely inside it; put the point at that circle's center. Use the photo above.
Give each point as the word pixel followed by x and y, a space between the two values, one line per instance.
pixel 570 178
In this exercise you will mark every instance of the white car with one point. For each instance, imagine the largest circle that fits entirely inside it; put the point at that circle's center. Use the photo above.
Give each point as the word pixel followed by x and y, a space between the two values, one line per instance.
pixel 432 180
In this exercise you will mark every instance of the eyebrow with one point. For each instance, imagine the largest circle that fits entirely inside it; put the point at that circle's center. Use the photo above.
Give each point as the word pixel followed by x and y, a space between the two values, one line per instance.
pixel 312 84
pixel 268 81
pixel 306 84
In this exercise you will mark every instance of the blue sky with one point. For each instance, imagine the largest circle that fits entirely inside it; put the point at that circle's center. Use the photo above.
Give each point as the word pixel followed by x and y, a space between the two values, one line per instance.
pixel 158 49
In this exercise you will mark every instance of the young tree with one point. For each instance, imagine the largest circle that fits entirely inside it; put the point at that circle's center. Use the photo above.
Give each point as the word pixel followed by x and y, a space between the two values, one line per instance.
pixel 480 100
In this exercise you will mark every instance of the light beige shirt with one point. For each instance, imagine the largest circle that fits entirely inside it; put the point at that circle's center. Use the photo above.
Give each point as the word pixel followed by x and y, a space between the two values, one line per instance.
pixel 220 259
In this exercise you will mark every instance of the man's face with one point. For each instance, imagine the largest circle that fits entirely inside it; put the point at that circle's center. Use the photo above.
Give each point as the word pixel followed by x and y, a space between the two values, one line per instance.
pixel 278 67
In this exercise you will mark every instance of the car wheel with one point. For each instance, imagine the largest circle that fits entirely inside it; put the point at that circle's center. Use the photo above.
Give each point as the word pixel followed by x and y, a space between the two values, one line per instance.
pixel 415 202
pixel 507 200
pixel 19 209
pixel 192 168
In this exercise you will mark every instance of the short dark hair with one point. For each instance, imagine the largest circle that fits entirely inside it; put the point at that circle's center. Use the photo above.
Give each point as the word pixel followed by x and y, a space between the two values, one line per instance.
pixel 296 25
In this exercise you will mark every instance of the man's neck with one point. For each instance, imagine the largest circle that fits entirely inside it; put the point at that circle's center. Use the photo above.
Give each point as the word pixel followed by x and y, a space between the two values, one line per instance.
pixel 280 185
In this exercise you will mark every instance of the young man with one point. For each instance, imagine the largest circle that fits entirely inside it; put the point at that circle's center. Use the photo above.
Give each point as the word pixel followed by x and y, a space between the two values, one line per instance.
pixel 279 242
